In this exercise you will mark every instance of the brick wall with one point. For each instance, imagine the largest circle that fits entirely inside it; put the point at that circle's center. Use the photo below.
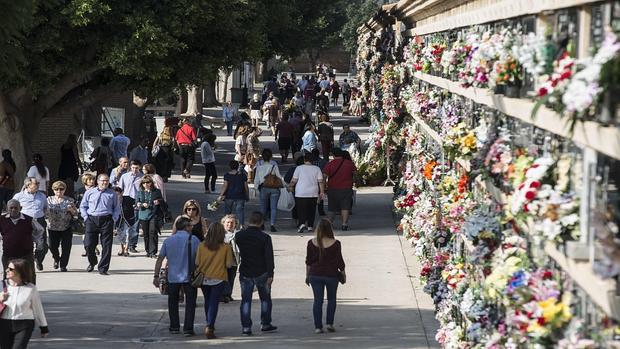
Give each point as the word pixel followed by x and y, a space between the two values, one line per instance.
pixel 54 129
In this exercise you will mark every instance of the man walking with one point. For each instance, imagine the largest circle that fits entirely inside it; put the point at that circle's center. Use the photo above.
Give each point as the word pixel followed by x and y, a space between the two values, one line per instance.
pixel 118 171
pixel 129 184
pixel 256 269
pixel 180 264
pixel 17 230
pixel 339 173
pixel 34 204
pixel 100 208
pixel 119 144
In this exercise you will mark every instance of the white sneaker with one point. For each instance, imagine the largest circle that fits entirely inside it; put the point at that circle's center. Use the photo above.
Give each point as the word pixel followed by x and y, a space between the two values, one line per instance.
pixel 330 328
pixel 318 330
pixel 301 229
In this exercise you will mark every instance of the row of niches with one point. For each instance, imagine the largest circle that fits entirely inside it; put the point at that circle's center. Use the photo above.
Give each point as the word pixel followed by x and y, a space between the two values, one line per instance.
pixel 516 59
pixel 482 248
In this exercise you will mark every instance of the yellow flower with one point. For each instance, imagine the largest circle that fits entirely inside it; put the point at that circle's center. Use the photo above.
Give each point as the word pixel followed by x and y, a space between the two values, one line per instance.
pixel 554 311
pixel 468 141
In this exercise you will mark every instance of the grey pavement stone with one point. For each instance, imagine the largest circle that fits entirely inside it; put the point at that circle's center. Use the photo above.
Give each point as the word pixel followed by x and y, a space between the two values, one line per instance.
pixel 381 306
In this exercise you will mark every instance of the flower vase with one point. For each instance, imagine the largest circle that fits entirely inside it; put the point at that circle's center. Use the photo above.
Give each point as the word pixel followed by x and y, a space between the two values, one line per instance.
pixel 499 89
pixel 609 107
pixel 513 91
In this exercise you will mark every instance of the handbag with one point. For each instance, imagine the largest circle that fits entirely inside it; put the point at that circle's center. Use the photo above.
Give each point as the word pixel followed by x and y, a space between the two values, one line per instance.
pixel 155 150
pixel 77 225
pixel 195 276
pixel 342 277
pixel 163 281
pixel 5 290
pixel 272 181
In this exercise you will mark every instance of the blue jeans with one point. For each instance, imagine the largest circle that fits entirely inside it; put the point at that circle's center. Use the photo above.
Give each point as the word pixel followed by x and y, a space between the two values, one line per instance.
pixel 239 208
pixel 212 296
pixel 190 306
pixel 229 127
pixel 319 284
pixel 264 293
pixel 269 196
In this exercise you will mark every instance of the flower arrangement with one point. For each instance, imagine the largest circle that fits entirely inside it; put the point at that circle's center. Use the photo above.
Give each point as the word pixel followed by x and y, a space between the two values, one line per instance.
pixel 453 60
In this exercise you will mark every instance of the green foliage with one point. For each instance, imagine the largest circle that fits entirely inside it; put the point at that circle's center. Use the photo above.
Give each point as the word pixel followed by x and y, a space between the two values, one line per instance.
pixel 16 17
pixel 357 12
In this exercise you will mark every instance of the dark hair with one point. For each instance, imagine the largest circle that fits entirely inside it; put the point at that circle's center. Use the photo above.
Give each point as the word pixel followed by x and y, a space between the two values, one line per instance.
pixel 337 152
pixel 346 125
pixel 324 229
pixel 182 222
pixel 8 157
pixel 37 160
pixel 71 141
pixel 299 161
pixel 136 163
pixel 23 268
pixel 308 157
pixel 210 138
pixel 267 154
pixel 233 164
pixel 346 155
pixel 105 141
pixel 256 219
pixel 214 237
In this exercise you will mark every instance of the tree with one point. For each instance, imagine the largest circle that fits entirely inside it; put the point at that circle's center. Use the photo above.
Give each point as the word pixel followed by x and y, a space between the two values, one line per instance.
pixel 78 51
pixel 358 12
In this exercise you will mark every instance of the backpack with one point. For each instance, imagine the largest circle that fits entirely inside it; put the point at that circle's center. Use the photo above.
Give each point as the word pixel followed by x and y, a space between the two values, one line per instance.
pixel 165 138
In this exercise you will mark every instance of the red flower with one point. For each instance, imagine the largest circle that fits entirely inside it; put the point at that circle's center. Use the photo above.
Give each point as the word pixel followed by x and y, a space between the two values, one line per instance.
pixel 530 195
pixel 535 184
pixel 566 75
pixel 521 186
pixel 541 321
pixel 547 274
pixel 542 92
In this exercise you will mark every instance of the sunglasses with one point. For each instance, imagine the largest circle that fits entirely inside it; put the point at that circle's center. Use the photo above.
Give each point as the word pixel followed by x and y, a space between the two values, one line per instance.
pixel 191 209
pixel 10 269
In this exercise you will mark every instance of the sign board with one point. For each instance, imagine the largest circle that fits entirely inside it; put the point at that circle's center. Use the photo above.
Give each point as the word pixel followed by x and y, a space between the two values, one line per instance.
pixel 111 118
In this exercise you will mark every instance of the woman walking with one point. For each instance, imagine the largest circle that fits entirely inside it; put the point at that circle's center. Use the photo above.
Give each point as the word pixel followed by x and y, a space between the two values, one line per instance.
pixel 309 140
pixel 39 171
pixel 308 185
pixel 231 226
pixel 284 136
pixel 148 199
pixel 324 268
pixel 213 258
pixel 208 160
pixel 158 181
pixel 102 157
pixel 326 135
pixel 268 180
pixel 235 191
pixel 255 110
pixel 191 209
pixel 23 307
pixel 70 164
pixel 89 181
pixel 164 159
pixel 60 211
pixel 253 151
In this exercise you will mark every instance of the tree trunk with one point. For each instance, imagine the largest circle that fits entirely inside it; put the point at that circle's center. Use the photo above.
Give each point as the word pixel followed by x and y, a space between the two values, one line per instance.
pixel 180 103
pixel 210 98
pixel 194 100
pixel 264 72
pixel 12 137
pixel 226 77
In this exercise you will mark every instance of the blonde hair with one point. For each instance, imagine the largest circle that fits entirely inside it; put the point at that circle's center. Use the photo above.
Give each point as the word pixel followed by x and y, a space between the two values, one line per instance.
pixel 86 177
pixel 59 185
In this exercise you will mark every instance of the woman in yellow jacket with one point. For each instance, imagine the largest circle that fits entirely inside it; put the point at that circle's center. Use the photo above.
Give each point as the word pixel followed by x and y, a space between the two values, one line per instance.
pixel 212 260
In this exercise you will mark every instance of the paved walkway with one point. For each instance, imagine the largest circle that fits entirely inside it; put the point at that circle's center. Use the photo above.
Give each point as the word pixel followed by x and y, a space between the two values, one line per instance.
pixel 381 306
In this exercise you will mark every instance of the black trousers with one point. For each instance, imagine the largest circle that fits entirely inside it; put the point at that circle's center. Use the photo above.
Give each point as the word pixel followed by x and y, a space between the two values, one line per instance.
pixel 40 242
pixel 306 210
pixel 64 240
pixel 210 173
pixel 99 228
pixel 150 228
pixel 191 293
pixel 187 153
pixel 232 274
pixel 15 334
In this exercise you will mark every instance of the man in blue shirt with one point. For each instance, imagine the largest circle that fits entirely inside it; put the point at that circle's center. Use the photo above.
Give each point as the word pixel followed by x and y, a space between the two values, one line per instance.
pixel 119 145
pixel 129 184
pixel 34 204
pixel 228 112
pixel 180 265
pixel 140 152
pixel 100 208
pixel 118 171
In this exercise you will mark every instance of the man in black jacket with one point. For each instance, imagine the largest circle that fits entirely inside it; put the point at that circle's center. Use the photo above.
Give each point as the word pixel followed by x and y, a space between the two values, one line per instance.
pixel 256 269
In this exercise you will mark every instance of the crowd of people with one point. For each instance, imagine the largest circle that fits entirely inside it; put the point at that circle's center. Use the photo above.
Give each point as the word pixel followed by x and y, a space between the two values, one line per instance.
pixel 124 193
